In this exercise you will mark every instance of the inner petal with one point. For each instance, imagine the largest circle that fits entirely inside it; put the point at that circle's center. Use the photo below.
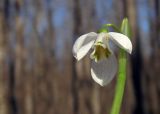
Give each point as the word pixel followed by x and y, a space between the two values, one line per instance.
pixel 101 48
pixel 100 53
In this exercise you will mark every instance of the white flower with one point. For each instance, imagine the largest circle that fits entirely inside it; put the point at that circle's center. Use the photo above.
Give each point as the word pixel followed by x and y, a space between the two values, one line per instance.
pixel 104 63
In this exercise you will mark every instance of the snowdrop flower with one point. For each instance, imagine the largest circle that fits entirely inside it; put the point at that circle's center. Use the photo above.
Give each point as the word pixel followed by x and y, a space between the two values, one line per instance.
pixel 104 63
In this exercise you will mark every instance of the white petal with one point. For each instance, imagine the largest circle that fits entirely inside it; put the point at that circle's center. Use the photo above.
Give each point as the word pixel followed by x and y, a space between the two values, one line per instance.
pixel 121 40
pixel 83 44
pixel 101 40
pixel 104 71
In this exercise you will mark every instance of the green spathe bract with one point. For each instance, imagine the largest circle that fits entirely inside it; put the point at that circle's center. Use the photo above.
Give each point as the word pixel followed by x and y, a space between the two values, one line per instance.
pixel 125 28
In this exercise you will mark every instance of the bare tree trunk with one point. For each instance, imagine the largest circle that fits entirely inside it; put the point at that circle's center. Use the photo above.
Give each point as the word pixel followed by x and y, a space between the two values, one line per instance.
pixel 3 100
pixel 4 75
pixel 133 103
pixel 19 64
pixel 151 80
pixel 76 32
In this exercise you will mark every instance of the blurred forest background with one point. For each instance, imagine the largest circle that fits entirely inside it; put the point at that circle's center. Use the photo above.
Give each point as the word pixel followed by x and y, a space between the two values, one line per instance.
pixel 38 74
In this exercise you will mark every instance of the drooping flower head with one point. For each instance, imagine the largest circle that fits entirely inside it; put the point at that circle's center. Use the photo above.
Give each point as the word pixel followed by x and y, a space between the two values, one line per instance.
pixel 104 63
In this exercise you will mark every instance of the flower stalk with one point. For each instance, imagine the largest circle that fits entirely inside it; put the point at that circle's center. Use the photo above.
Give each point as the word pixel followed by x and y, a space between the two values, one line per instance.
pixel 119 92
pixel 113 26
pixel 120 83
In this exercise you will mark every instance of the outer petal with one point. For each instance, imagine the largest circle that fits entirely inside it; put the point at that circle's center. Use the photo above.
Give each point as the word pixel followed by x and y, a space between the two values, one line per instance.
pixel 104 71
pixel 83 44
pixel 121 40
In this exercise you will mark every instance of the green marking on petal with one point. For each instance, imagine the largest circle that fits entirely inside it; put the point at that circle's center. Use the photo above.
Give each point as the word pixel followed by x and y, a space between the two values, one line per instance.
pixel 99 43
pixel 100 53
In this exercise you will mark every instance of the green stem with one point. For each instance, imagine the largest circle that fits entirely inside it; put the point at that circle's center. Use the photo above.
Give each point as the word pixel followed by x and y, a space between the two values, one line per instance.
pixel 125 29
pixel 120 83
